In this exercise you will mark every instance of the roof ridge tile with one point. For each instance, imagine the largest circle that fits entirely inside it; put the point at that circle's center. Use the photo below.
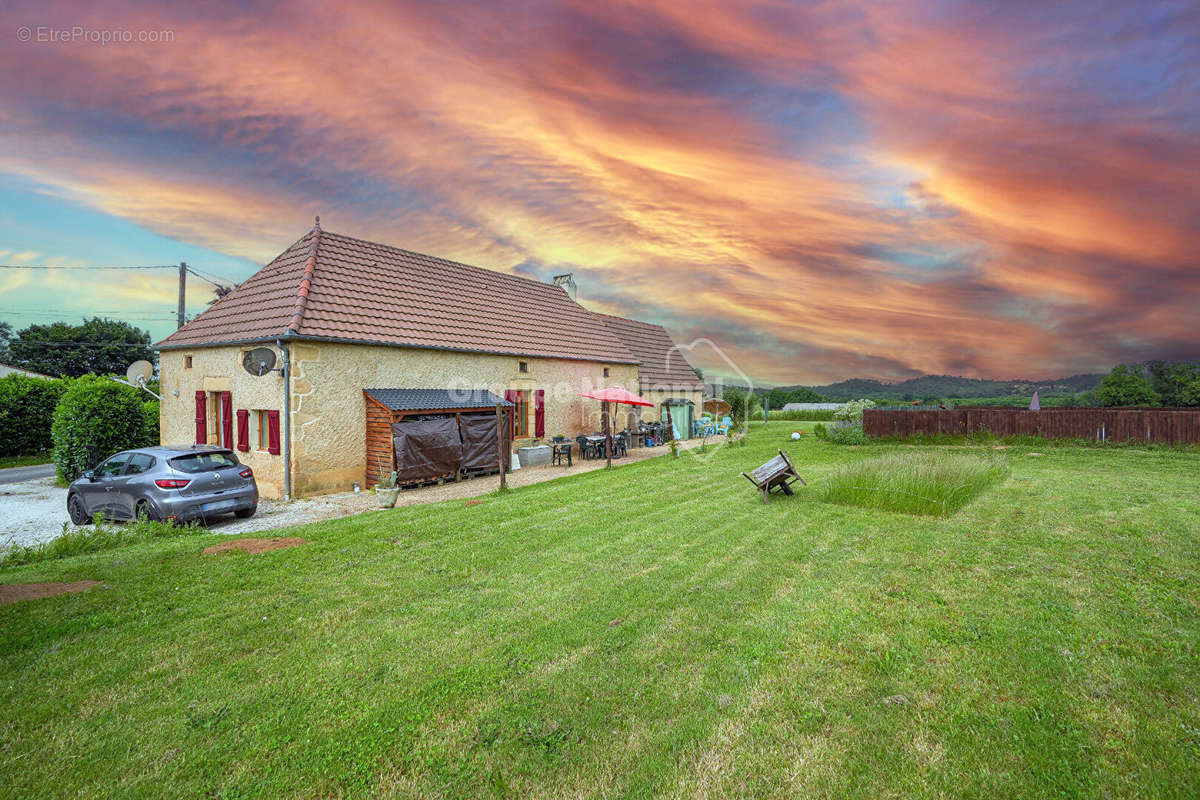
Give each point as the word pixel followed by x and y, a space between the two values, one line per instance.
pixel 310 268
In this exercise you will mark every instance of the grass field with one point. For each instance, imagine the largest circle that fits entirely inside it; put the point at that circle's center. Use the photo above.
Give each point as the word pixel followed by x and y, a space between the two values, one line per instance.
pixel 923 482
pixel 650 631
pixel 24 461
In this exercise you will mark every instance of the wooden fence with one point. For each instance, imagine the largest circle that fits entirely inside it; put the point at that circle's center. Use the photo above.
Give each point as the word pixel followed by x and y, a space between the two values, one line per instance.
pixel 1178 425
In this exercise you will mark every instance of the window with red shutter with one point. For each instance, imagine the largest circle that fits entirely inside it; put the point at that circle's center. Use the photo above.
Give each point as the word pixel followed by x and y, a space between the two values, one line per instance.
pixel 226 419
pixel 201 418
pixel 243 440
pixel 273 432
pixel 539 413
pixel 512 396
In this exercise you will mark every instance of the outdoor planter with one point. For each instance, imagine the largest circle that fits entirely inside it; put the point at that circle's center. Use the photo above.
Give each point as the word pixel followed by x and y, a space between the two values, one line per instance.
pixel 386 497
pixel 534 456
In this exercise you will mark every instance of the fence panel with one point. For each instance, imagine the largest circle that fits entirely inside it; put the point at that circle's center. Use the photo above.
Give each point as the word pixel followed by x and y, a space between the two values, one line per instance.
pixel 1176 425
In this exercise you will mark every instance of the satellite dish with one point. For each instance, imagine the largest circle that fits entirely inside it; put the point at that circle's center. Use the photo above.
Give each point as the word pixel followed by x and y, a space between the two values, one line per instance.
pixel 259 361
pixel 139 372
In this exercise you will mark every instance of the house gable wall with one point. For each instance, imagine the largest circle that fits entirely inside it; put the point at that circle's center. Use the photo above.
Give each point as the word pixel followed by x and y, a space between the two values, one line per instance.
pixel 219 369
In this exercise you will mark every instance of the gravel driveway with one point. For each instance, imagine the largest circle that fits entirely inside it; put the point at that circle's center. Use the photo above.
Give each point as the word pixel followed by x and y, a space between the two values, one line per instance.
pixel 33 511
pixel 36 510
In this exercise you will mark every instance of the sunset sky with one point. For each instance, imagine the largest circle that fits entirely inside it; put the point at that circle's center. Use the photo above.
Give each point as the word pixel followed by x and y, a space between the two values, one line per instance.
pixel 825 190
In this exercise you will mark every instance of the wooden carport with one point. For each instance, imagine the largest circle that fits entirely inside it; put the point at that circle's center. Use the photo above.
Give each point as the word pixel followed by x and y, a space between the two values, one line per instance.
pixel 384 407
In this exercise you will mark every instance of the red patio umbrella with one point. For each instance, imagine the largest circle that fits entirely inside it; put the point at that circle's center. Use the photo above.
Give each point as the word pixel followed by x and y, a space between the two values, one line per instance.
pixel 614 394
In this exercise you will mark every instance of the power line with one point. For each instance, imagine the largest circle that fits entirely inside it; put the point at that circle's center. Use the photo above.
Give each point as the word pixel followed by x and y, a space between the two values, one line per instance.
pixel 206 276
pixel 73 343
pixel 50 266
pixel 84 312
pixel 207 279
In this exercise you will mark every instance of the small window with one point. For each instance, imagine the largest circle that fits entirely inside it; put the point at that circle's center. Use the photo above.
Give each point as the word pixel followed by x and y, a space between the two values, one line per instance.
pixel 187 362
pixel 522 366
pixel 264 429
pixel 606 372
pixel 521 420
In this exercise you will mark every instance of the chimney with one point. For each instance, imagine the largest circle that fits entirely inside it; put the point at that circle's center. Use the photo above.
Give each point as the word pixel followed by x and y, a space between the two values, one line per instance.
pixel 567 282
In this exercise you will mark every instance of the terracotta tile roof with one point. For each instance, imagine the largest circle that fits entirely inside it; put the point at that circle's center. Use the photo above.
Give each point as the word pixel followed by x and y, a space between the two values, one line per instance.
pixel 435 399
pixel 663 364
pixel 330 286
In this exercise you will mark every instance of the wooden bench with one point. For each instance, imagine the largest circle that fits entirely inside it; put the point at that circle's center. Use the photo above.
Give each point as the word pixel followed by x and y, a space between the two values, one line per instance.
pixel 778 473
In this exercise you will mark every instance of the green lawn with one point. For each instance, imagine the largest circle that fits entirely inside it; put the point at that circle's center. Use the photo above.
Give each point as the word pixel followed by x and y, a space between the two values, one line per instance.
pixel 651 631
pixel 25 461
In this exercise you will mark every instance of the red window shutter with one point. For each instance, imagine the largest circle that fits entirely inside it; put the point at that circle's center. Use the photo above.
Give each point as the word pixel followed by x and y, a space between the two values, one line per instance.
pixel 539 413
pixel 201 418
pixel 273 432
pixel 243 442
pixel 512 396
pixel 226 419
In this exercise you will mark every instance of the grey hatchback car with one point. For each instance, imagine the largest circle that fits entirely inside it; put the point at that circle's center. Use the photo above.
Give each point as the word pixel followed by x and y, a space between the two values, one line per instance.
pixel 165 483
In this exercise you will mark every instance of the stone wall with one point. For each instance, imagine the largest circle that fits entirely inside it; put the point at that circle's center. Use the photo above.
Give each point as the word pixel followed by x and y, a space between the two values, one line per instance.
pixel 328 411
pixel 219 369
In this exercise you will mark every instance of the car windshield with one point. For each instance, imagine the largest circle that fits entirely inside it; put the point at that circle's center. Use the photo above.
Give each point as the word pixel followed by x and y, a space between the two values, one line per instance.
pixel 199 462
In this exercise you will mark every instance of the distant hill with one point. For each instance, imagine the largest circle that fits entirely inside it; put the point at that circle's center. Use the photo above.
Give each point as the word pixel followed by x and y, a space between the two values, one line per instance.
pixel 949 386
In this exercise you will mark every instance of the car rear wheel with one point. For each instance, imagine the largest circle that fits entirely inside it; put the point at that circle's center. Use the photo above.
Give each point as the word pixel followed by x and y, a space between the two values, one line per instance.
pixel 245 513
pixel 77 511
pixel 145 508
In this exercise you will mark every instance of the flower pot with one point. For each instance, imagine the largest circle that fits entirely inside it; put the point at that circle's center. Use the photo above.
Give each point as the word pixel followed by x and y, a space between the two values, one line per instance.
pixel 536 456
pixel 386 497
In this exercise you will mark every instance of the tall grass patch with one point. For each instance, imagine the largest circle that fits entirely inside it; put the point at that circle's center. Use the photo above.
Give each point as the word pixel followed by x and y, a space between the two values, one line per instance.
pixel 932 483
pixel 99 536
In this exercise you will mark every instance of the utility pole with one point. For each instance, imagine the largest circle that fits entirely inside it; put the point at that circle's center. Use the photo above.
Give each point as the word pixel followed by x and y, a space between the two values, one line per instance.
pixel 179 313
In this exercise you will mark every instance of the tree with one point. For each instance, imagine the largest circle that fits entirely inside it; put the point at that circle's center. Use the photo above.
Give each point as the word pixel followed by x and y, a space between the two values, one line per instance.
pixel 1174 381
pixel 98 347
pixel 1127 386
pixel 798 394
pixel 5 336
pixel 743 405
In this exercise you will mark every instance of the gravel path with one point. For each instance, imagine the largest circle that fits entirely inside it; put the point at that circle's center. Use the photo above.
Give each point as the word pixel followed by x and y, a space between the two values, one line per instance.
pixel 33 511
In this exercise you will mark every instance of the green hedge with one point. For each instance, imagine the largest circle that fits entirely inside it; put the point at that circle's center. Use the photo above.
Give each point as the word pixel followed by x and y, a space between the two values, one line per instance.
pixel 26 412
pixel 96 418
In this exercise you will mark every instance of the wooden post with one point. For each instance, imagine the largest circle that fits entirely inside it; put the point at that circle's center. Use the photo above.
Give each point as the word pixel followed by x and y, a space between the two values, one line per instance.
pixel 500 443
pixel 607 434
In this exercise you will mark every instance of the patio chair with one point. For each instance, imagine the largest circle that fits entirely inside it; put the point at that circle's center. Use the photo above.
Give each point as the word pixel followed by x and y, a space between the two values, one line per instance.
pixel 776 474
pixel 723 427
pixel 585 447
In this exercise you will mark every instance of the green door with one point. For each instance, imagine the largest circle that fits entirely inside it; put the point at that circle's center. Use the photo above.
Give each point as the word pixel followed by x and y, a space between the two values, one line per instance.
pixel 681 420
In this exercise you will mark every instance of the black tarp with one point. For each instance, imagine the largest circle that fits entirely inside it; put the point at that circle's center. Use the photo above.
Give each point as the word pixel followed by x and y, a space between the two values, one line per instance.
pixel 427 448
pixel 478 441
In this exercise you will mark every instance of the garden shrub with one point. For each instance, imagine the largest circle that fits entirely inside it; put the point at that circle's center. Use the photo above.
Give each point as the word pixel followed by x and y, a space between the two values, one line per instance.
pixel 934 483
pixel 95 418
pixel 853 435
pixel 848 424
pixel 852 412
pixel 26 413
